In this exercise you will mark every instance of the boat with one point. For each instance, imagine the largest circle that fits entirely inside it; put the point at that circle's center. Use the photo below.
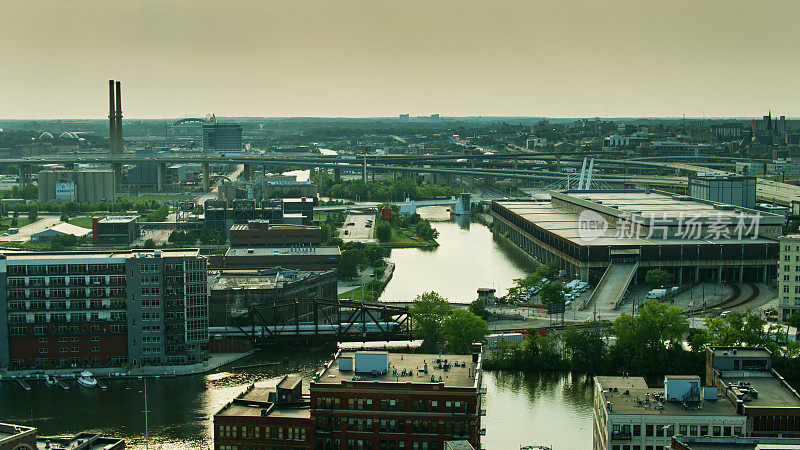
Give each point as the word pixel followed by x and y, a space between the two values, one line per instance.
pixel 50 380
pixel 86 379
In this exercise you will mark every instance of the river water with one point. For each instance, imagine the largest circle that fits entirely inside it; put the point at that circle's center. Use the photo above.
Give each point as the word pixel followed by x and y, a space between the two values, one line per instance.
pixel 523 409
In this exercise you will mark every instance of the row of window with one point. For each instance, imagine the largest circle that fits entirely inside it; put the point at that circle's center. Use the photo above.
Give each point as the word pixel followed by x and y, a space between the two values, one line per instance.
pixel 287 433
pixel 683 429
pixel 392 405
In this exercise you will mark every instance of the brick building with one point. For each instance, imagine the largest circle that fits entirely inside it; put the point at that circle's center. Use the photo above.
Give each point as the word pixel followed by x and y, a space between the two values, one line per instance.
pixel 363 400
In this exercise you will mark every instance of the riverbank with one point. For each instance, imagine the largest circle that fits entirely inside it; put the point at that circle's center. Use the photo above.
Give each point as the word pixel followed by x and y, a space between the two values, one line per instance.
pixel 215 361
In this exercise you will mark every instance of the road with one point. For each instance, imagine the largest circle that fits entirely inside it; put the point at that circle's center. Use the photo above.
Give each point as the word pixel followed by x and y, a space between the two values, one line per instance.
pixel 359 231
pixel 213 192
pixel 26 231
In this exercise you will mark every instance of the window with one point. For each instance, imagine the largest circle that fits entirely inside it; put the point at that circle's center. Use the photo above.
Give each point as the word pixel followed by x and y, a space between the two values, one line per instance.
pixel 717 430
pixel 648 430
pixel 683 429
pixel 637 430
pixel 693 430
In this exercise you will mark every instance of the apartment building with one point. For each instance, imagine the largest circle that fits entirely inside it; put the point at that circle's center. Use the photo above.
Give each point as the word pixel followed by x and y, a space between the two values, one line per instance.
pixel 789 275
pixel 90 309
pixel 363 400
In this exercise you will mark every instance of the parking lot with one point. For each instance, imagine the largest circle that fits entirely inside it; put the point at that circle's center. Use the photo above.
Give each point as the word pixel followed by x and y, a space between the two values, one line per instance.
pixel 358 228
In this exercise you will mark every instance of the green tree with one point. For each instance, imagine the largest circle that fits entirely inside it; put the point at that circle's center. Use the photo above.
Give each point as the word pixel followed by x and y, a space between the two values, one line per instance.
pixel 552 293
pixel 149 244
pixel 33 215
pixel 461 329
pixel 348 264
pixel 586 349
pixel 647 342
pixel 478 308
pixel 383 231
pixel 657 278
pixel 427 314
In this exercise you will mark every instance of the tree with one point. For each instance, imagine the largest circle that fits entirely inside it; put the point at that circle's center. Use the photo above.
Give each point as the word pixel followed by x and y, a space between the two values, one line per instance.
pixel 33 215
pixel 461 329
pixel 149 243
pixel 427 314
pixel 587 349
pixel 552 293
pixel 657 278
pixel 478 308
pixel 348 264
pixel 383 231
pixel 645 343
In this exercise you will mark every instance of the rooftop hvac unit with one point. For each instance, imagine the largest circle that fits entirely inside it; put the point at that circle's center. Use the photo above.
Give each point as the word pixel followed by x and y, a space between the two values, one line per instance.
pixel 371 362
pixel 345 363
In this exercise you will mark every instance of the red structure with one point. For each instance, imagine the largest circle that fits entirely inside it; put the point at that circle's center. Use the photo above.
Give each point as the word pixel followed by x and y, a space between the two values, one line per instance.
pixel 386 213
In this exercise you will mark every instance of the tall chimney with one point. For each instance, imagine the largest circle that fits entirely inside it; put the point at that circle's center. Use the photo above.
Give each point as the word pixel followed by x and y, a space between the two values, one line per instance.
pixel 118 119
pixel 112 132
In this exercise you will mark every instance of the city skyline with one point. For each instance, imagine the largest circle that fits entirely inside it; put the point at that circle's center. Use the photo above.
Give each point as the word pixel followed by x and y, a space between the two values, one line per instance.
pixel 356 59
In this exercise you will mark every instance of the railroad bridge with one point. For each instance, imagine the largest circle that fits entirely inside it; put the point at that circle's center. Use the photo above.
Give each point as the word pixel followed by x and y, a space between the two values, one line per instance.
pixel 320 320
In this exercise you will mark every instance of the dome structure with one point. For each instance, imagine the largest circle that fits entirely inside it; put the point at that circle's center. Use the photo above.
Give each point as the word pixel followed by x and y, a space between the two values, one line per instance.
pixel 45 135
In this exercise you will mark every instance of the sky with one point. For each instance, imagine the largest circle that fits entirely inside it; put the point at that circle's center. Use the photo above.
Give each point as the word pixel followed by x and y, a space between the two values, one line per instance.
pixel 364 58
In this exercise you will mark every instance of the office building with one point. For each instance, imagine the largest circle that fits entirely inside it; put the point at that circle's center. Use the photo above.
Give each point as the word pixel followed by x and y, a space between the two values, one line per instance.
pixel 303 206
pixel 789 276
pixel 742 398
pixel 304 258
pixel 589 232
pixel 236 291
pixel 731 190
pixel 219 137
pixel 733 443
pixel 629 414
pixel 122 230
pixel 76 186
pixel 744 375
pixel 361 400
pixel 261 233
pixel 78 309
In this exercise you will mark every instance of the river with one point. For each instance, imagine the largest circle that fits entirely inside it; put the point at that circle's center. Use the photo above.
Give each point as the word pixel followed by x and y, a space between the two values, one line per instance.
pixel 522 409
pixel 467 258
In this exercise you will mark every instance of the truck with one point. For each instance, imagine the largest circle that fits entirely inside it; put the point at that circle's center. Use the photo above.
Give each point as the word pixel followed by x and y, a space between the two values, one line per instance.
pixel 657 293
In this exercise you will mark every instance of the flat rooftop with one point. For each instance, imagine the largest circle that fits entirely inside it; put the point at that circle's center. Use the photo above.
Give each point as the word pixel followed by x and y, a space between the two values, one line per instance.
pixel 457 375
pixel 565 224
pixel 637 389
pixel 252 402
pixel 118 219
pixel 23 256
pixel 771 392
pixel 743 352
pixel 255 280
pixel 285 251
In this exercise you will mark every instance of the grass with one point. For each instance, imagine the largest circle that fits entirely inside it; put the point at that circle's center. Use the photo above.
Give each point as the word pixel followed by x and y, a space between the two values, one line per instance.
pixel 353 294
pixel 85 221
pixel 21 221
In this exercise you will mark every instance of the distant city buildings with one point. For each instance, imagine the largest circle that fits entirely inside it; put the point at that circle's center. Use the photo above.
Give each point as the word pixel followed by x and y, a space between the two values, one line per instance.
pixel 220 137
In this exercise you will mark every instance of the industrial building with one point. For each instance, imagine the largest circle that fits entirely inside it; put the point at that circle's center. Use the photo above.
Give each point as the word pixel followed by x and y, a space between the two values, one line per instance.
pixel 261 233
pixel 76 185
pixel 59 309
pixel 789 276
pixel 742 397
pixel 621 234
pixel 219 137
pixel 732 190
pixel 361 400
pixel 236 291
pixel 305 258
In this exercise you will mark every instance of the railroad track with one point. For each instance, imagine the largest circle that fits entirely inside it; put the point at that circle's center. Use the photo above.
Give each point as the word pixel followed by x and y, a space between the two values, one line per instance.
pixel 731 302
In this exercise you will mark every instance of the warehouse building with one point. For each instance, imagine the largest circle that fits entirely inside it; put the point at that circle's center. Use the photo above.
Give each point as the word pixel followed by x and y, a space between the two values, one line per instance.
pixel 121 230
pixel 588 233
pixel 61 229
pixel 262 233
pixel 304 258
pixel 59 309
pixel 236 291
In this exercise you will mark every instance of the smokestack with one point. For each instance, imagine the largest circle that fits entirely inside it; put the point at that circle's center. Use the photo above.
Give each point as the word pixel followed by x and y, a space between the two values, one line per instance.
pixel 118 119
pixel 112 132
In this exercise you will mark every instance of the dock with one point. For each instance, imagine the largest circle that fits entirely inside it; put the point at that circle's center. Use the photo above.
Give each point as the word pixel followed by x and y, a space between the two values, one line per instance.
pixel 62 383
pixel 101 385
pixel 24 384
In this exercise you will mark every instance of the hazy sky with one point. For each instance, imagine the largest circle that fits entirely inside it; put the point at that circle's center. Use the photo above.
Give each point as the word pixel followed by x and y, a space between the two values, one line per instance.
pixel 560 58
